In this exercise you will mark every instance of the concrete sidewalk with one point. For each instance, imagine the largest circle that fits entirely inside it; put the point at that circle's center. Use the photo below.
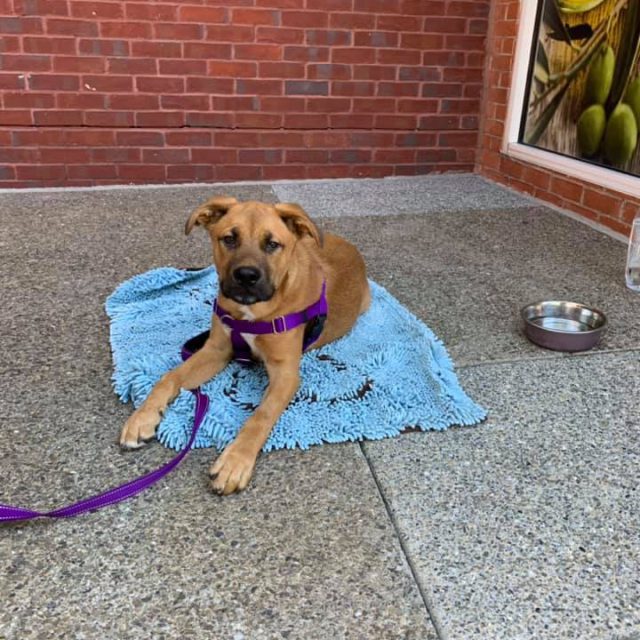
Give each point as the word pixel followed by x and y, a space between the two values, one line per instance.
pixel 526 527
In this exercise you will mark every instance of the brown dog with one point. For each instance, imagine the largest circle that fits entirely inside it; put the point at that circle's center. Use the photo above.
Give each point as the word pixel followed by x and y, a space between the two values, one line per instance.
pixel 271 261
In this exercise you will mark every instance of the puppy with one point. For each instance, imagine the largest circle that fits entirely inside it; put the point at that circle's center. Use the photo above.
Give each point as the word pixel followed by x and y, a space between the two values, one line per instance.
pixel 272 261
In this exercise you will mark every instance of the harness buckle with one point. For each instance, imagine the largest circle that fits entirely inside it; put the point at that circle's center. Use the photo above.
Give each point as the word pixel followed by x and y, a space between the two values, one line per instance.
pixel 283 322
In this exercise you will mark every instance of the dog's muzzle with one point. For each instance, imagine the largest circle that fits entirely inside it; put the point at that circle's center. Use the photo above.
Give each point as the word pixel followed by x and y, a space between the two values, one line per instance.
pixel 247 285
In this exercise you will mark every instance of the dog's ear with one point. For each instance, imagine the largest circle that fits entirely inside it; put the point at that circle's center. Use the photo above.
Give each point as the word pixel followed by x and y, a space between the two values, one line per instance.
pixel 209 212
pixel 296 218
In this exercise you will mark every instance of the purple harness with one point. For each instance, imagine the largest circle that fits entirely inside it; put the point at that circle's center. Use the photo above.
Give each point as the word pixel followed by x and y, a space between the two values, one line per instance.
pixel 314 316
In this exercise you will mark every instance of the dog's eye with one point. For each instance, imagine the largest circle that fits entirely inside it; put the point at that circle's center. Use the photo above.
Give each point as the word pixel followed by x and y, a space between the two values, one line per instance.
pixel 271 246
pixel 230 241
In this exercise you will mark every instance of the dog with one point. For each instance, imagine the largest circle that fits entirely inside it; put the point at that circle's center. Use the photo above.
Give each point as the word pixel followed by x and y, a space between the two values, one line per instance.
pixel 272 261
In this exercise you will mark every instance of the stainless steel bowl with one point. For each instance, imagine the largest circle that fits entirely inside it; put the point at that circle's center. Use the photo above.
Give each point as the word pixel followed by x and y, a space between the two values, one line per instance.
pixel 563 326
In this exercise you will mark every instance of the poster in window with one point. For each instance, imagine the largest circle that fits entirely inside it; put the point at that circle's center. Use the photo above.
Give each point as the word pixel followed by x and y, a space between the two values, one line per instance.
pixel 583 96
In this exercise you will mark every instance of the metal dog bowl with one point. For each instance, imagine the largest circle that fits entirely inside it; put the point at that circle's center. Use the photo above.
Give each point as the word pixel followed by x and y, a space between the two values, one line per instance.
pixel 563 326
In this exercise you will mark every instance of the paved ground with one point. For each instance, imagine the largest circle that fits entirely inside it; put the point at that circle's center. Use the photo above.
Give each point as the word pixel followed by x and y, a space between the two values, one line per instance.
pixel 526 527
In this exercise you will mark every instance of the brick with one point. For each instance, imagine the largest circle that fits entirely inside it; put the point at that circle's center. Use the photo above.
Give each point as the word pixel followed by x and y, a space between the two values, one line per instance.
pixel 83 64
pixel 441 90
pixel 398 56
pixel 41 172
pixel 190 173
pixel 328 105
pixel 374 105
pixel 185 102
pixel 320 37
pixel 229 33
pixel 18 118
pixel 279 35
pixel 329 71
pixel 459 106
pixel 306 121
pixel 214 156
pixel 10 44
pixel 160 119
pixel 49 45
pixel 422 41
pixel 305 19
pixel 281 105
pixel 109 119
pixel 306 87
pixel 352 20
pixel 257 52
pixel 79 28
pixel 21 156
pixel 160 85
pixel 133 101
pixel 182 67
pixel 377 6
pixel 202 14
pixel 445 25
pixel 307 156
pixel 22 62
pixel 395 122
pixel 92 172
pixel 54 82
pixel 281 139
pixel 269 17
pixel 351 121
pixel 104 47
pixel 436 155
pixel 601 201
pixel 423 7
pixel 133 66
pixel 466 43
pixel 353 55
pixel 325 139
pixel 306 54
pixel 376 39
pixel 468 8
pixel 151 11
pixel 209 85
pixel 206 119
pixel 259 87
pixel 458 139
pixel 207 50
pixel 421 74
pixel 398 89
pixel 139 138
pixel 439 122
pixel 417 106
pixel 237 103
pixel 398 23
pixel 141 173
pixel 284 172
pixel 566 189
pixel 178 31
pixel 156 49
pixel 12 81
pixel 81 101
pixel 41 7
pixel 236 139
pixel 260 156
pixel 395 156
pixel 233 69
pixel 280 4
pixel 189 138
pixel 162 156
pixel 373 72
pixel 28 100
pixel 353 88
pixel 351 156
pixel 107 83
pixel 332 5
pixel 96 10
pixel 21 25
pixel 281 70
pixel 240 172
pixel 125 30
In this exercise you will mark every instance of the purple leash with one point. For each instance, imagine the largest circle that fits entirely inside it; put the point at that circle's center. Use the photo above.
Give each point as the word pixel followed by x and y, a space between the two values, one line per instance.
pixel 9 513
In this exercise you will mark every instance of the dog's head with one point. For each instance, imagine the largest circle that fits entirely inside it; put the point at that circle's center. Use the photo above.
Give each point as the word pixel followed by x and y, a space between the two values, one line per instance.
pixel 253 244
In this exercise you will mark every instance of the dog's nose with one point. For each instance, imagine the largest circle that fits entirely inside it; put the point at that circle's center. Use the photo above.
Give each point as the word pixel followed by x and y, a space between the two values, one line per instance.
pixel 246 276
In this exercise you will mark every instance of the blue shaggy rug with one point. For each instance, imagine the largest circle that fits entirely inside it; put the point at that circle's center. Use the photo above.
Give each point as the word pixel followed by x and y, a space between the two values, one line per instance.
pixel 389 373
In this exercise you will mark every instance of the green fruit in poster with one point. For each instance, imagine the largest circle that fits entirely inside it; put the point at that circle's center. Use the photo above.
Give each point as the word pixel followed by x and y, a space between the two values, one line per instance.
pixel 591 125
pixel 578 6
pixel 632 98
pixel 600 76
pixel 621 135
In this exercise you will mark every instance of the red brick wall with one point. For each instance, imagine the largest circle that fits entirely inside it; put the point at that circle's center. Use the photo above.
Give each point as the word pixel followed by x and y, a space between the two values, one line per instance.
pixel 135 91
pixel 609 208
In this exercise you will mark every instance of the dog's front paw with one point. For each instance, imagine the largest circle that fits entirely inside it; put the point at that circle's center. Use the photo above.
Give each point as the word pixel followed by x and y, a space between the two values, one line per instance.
pixel 139 429
pixel 232 470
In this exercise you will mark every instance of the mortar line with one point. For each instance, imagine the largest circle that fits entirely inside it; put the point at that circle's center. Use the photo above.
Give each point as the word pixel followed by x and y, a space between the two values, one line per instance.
pixel 428 605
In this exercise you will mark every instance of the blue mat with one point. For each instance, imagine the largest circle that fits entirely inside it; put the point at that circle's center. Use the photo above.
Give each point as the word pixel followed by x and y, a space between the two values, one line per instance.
pixel 389 373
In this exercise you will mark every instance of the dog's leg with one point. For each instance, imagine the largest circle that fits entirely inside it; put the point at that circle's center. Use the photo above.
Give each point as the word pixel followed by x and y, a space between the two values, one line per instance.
pixel 233 468
pixel 200 367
